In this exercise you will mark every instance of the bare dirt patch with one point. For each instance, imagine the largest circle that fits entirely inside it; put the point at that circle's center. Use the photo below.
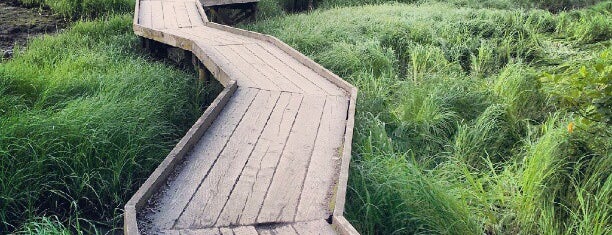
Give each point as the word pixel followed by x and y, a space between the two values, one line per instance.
pixel 18 23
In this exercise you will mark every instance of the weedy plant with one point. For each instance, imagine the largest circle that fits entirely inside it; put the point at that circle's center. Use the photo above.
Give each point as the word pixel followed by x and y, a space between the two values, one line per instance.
pixel 473 116
pixel 85 118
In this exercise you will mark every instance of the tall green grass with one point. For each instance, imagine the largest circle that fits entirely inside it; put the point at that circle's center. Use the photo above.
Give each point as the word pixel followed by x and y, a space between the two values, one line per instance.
pixel 275 8
pixel 473 116
pixel 85 117
pixel 84 8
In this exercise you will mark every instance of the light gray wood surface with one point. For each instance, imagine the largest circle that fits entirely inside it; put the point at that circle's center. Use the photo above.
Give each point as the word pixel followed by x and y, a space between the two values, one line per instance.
pixel 273 160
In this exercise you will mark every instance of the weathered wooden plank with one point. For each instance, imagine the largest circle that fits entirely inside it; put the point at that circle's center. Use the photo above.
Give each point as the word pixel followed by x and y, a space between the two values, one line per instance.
pixel 270 155
pixel 208 3
pixel 285 230
pixel 268 71
pixel 228 35
pixel 256 66
pixel 145 14
pixel 178 153
pixel 226 231
pixel 157 15
pixel 171 232
pixel 194 14
pixel 205 231
pixel 266 231
pixel 282 198
pixel 246 199
pixel 346 156
pixel 175 197
pixel 271 195
pixel 313 227
pixel 207 203
pixel 182 16
pixel 342 226
pixel 199 38
pixel 224 64
pixel 245 230
pixel 169 15
pixel 206 33
pixel 255 76
pixel 317 192
pixel 238 63
pixel 304 84
pixel 309 63
pixel 301 69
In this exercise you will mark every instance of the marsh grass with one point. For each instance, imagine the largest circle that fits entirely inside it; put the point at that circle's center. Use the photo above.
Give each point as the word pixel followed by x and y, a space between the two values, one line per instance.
pixel 459 127
pixel 84 8
pixel 473 116
pixel 85 118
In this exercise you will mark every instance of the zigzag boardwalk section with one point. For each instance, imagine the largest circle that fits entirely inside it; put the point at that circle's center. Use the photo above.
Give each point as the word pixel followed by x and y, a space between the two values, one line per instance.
pixel 271 153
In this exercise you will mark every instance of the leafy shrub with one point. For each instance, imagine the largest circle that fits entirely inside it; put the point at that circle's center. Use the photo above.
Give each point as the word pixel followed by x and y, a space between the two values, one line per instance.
pixel 585 89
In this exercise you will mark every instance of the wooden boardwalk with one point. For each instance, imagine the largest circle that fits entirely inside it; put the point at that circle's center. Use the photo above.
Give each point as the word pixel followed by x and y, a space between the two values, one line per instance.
pixel 269 156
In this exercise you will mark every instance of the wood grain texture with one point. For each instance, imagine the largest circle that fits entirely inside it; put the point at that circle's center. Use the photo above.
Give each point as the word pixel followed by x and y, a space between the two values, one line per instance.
pixel 343 227
pixel 244 204
pixel 206 231
pixel 278 151
pixel 281 68
pixel 208 3
pixel 283 195
pixel 265 69
pixel 182 15
pixel 316 193
pixel 203 156
pixel 207 203
pixel 170 21
pixel 194 14
pixel 245 230
pixel 145 14
pixel 303 71
pixel 157 15
pixel 245 67
pixel 313 227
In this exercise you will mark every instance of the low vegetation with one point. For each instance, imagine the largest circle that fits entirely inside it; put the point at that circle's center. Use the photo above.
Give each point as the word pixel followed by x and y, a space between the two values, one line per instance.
pixel 74 9
pixel 473 116
pixel 85 118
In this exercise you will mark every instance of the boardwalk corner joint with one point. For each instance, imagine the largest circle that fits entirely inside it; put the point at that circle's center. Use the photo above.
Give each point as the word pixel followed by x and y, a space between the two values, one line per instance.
pixel 270 155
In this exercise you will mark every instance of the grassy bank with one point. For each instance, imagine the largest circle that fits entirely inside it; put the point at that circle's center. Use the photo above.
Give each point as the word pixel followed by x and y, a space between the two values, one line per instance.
pixel 85 118
pixel 83 8
pixel 473 116
pixel 471 119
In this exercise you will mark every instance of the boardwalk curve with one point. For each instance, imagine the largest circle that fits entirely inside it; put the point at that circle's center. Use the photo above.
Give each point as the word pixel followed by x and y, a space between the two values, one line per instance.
pixel 271 153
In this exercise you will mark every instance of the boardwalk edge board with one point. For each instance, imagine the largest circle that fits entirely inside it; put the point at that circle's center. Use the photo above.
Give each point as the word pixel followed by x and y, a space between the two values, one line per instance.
pixel 161 173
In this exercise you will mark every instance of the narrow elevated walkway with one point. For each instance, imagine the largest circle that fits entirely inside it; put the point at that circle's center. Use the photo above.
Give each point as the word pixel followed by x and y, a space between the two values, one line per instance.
pixel 269 156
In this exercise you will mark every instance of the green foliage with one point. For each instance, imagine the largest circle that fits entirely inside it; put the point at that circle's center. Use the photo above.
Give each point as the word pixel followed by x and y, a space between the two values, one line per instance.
pixel 550 5
pixel 44 226
pixel 85 119
pixel 84 8
pixel 457 131
pixel 584 88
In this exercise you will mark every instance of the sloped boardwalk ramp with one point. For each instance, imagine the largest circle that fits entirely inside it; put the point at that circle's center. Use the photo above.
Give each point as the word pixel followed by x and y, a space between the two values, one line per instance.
pixel 269 156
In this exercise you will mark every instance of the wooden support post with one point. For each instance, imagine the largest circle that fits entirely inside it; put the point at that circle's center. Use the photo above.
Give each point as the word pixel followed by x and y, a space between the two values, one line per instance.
pixel 143 42
pixel 203 74
pixel 254 9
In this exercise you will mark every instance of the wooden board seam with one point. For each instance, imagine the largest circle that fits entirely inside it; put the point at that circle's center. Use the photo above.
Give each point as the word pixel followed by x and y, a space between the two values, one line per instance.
pixel 161 173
